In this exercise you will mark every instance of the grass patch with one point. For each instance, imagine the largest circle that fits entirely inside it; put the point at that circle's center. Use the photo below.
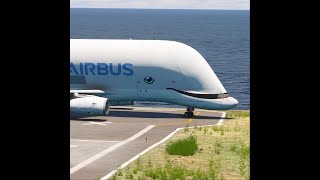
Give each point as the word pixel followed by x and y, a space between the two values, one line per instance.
pixel 223 153
pixel 184 147
pixel 238 114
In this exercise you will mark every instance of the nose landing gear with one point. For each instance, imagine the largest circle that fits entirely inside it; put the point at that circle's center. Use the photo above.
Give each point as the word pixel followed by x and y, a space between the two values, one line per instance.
pixel 189 112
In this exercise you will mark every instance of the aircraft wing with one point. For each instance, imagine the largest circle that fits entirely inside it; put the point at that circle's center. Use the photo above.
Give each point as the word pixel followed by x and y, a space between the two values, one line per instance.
pixel 87 91
pixel 74 93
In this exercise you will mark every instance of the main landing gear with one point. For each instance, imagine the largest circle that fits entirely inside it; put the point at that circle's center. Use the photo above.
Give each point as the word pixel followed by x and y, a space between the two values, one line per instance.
pixel 189 112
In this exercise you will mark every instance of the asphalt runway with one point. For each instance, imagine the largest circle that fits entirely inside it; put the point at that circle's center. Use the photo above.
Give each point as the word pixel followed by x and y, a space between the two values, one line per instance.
pixel 99 145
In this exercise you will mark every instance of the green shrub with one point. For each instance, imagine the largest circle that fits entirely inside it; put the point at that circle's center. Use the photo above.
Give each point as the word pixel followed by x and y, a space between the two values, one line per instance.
pixel 183 147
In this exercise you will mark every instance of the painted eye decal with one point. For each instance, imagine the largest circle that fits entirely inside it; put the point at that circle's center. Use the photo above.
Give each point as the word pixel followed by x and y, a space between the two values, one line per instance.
pixel 148 80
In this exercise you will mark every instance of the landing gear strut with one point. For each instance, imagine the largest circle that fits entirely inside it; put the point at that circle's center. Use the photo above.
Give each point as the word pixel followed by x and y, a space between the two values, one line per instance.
pixel 189 112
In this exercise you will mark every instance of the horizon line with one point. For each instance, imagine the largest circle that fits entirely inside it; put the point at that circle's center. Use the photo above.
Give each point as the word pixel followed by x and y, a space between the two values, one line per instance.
pixel 160 8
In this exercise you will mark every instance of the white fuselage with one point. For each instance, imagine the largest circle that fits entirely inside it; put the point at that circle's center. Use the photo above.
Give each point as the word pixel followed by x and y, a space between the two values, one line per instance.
pixel 146 70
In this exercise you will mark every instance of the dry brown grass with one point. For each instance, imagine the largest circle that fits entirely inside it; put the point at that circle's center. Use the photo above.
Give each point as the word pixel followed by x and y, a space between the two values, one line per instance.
pixel 224 151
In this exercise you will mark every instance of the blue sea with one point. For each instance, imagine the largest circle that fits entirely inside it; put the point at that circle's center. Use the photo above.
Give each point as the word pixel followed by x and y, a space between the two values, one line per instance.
pixel 220 36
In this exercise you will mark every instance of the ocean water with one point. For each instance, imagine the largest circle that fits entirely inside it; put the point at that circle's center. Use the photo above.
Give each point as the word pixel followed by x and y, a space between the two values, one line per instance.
pixel 220 36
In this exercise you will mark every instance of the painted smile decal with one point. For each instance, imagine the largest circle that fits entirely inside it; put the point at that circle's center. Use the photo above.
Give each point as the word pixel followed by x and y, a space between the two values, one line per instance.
pixel 202 96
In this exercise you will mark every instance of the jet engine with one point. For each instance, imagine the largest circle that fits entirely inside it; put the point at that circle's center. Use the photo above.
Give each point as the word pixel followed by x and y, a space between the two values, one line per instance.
pixel 89 106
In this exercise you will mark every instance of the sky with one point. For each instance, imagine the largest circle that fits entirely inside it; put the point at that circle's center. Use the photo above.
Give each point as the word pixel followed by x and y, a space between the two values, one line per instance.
pixel 163 4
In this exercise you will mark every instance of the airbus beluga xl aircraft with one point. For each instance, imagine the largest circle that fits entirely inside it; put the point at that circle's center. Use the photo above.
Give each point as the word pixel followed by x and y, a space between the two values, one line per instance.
pixel 104 71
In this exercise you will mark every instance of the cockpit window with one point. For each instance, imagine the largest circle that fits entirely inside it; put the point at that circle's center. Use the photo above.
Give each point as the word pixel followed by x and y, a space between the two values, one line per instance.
pixel 223 95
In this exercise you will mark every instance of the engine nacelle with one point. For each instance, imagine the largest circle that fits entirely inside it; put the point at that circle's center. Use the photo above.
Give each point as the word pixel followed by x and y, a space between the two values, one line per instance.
pixel 89 106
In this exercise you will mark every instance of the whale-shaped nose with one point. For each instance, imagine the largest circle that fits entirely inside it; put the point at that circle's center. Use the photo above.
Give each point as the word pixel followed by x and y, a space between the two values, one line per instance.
pixel 231 102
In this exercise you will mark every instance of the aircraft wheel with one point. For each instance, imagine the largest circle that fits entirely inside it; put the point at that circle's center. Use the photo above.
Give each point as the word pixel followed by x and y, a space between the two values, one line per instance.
pixel 188 114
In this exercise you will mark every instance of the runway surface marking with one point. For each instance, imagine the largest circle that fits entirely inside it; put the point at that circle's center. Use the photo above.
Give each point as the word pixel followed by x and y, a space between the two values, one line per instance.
pixel 97 123
pixel 106 151
pixel 189 121
pixel 88 140
pixel 222 118
pixel 151 147
pixel 73 146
